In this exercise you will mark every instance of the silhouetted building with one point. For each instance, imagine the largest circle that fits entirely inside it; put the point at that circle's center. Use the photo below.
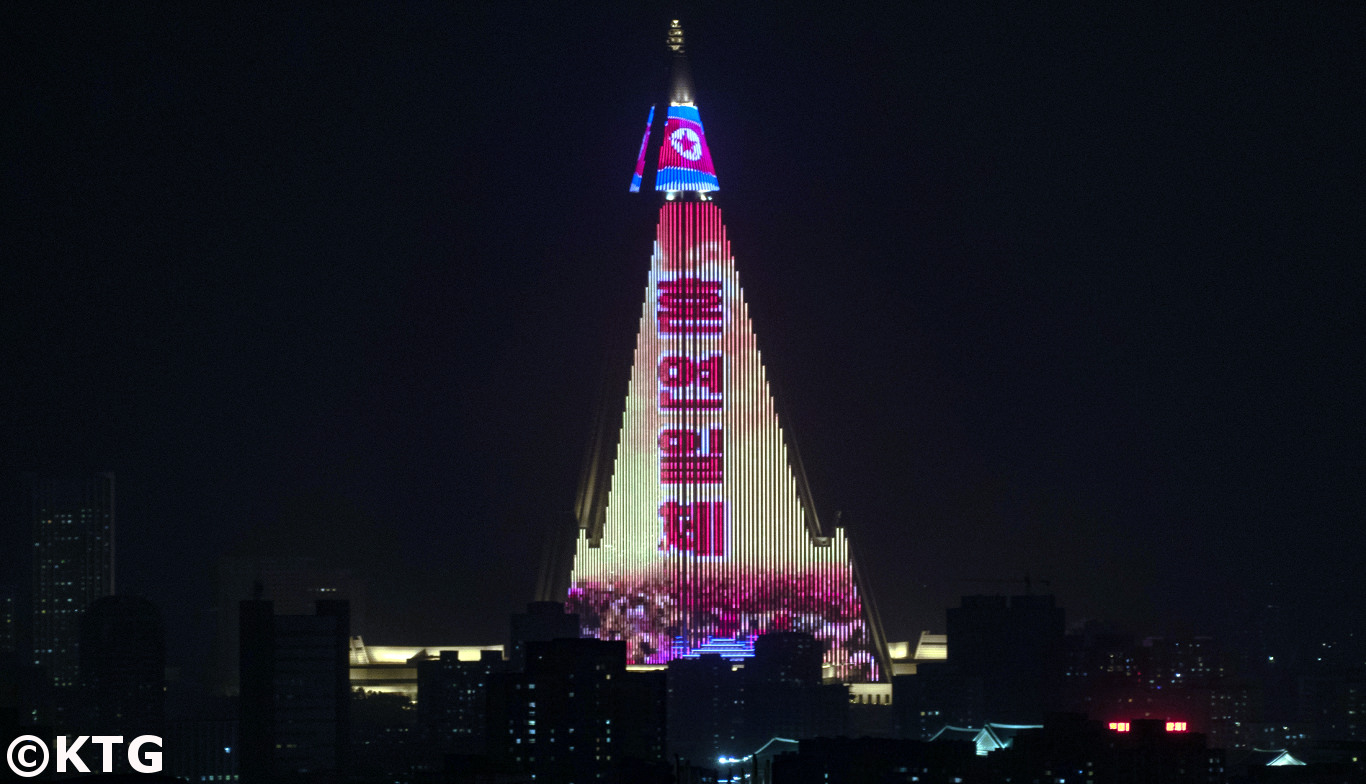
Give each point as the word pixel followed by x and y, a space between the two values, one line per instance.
pixel 1101 670
pixel 1094 650
pixel 1015 646
pixel 202 750
pixel 123 667
pixel 1111 677
pixel 296 695
pixel 575 714
pixel 1332 688
pixel 937 694
pixel 786 659
pixel 784 693
pixel 705 708
pixel 642 715
pixel 1187 678
pixel 453 700
pixel 386 742
pixel 542 622
pixel 72 520
pixel 1070 747
pixel 870 713
pixel 292 583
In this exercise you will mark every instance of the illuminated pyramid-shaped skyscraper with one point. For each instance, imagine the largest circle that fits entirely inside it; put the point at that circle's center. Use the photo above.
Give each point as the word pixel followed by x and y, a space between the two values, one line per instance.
pixel 700 534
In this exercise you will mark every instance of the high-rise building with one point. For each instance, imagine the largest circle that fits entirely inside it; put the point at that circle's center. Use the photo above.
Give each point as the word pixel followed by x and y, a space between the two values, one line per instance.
pixel 542 622
pixel 296 692
pixel 785 696
pixel 700 532
pixel 1015 646
pixel 202 750
pixel 72 519
pixel 452 706
pixel 123 666
pixel 291 583
pixel 706 704
pixel 576 714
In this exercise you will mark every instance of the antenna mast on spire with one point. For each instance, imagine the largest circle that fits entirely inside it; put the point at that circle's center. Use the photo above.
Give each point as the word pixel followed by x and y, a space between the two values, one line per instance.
pixel 675 37
pixel 684 167
pixel 681 92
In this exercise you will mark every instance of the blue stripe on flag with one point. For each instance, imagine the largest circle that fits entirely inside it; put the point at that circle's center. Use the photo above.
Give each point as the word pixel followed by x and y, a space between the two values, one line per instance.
pixel 674 178
pixel 686 113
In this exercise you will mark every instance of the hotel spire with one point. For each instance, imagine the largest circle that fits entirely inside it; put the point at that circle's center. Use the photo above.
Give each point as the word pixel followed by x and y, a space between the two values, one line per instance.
pixel 681 92
pixel 699 534
pixel 684 160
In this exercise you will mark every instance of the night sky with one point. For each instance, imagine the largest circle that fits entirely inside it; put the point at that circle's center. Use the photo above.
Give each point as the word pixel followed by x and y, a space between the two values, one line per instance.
pixel 1053 289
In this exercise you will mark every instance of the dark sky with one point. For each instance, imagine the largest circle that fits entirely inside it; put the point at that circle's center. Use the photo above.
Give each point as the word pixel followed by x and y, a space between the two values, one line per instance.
pixel 1053 289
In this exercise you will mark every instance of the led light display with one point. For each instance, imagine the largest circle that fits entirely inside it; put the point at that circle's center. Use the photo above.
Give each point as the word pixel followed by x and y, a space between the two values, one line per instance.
pixel 706 540
pixel 684 159
pixel 640 157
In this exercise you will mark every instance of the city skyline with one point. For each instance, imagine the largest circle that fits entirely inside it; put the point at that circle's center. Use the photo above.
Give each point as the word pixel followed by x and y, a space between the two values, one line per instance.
pixel 1065 296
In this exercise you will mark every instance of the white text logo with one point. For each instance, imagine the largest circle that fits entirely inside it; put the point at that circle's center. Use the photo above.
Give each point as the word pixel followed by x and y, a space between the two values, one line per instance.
pixel 28 755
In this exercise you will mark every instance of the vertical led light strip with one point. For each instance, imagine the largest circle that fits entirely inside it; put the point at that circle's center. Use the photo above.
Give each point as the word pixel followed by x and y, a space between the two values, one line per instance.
pixel 705 535
pixel 639 173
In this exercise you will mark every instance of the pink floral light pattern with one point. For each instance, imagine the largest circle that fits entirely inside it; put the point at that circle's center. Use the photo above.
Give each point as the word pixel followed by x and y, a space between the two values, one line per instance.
pixel 650 613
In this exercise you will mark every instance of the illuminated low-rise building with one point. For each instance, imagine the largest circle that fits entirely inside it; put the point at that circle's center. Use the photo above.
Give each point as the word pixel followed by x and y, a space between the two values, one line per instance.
pixel 393 669
pixel 903 656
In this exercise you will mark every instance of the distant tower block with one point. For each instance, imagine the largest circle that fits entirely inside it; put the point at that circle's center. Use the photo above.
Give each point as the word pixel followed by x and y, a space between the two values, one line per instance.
pixel 705 536
pixel 72 520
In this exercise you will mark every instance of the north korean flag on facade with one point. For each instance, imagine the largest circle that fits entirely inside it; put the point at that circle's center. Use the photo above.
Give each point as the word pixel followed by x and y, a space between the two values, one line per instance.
pixel 684 160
